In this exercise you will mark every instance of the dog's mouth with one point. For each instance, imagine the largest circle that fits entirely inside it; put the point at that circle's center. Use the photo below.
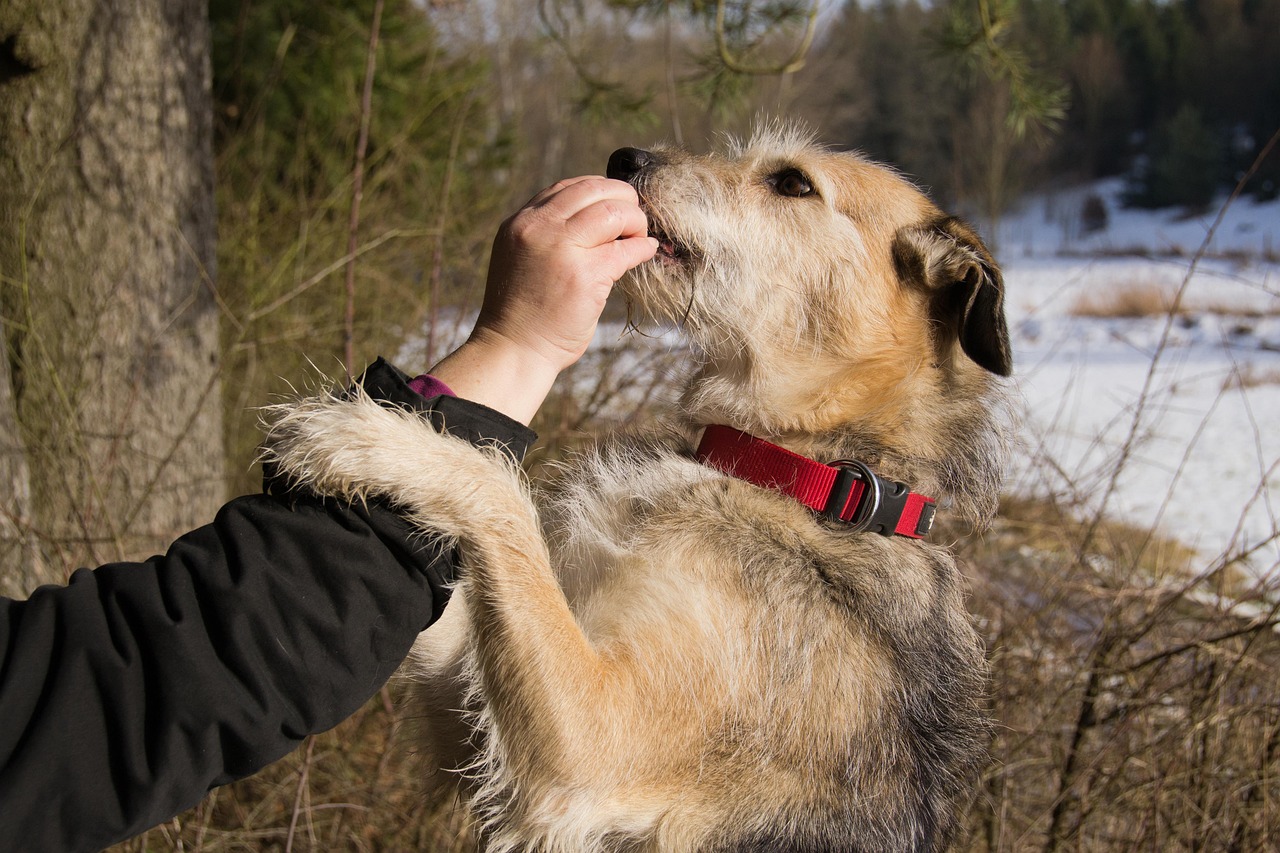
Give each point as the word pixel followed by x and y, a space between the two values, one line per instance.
pixel 670 249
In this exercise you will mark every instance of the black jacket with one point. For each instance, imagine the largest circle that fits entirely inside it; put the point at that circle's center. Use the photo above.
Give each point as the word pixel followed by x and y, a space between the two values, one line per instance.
pixel 130 692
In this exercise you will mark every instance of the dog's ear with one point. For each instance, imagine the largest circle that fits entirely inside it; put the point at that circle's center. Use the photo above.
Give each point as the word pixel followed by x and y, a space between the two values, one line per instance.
pixel 966 290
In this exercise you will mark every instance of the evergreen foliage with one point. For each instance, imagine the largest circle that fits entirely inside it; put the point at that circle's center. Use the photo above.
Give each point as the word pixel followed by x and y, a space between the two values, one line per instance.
pixel 1181 96
pixel 1183 165
pixel 287 81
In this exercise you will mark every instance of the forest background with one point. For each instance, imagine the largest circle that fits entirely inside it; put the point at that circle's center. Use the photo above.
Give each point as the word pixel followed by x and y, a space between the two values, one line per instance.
pixel 203 205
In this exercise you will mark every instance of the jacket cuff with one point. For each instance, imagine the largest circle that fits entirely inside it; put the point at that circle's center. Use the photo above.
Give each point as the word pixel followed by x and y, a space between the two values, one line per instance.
pixel 464 419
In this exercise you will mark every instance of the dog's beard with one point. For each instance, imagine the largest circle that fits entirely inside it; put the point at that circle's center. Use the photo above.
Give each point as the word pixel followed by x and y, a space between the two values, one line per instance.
pixel 673 248
pixel 658 296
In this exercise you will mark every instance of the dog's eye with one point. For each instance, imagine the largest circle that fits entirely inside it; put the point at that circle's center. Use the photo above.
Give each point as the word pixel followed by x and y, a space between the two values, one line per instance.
pixel 792 183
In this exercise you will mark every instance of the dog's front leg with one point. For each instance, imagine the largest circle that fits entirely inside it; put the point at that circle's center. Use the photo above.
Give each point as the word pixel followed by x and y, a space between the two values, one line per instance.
pixel 538 674
pixel 541 679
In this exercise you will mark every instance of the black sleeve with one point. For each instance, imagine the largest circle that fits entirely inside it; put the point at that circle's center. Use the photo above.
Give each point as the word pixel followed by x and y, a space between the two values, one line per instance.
pixel 128 693
pixel 477 424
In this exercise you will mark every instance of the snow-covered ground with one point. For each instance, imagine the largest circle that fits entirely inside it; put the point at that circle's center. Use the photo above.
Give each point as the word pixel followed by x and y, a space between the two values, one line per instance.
pixel 1172 422
pixel 1051 224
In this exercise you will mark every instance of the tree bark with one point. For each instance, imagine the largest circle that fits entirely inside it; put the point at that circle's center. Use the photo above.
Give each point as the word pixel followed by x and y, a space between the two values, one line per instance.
pixel 21 567
pixel 107 239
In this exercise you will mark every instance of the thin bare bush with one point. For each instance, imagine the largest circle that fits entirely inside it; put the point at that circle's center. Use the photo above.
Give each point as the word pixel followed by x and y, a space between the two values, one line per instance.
pixel 1137 713
pixel 1135 680
pixel 617 384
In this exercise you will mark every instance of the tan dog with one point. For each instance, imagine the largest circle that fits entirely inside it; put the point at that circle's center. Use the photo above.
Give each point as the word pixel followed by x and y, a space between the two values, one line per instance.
pixel 662 656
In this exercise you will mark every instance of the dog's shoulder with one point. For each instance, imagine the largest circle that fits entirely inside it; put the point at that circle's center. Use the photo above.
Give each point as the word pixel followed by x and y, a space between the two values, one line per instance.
pixel 629 471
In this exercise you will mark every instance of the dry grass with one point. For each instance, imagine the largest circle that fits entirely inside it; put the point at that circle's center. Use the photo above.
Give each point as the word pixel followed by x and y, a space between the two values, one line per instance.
pixel 1138 710
pixel 1252 376
pixel 1128 301
pixel 1144 299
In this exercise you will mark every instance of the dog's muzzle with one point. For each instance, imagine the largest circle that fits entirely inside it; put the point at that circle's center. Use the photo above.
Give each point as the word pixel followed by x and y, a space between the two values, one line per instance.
pixel 627 164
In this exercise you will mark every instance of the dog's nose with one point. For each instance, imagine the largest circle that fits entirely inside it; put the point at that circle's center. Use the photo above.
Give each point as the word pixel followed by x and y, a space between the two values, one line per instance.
pixel 626 163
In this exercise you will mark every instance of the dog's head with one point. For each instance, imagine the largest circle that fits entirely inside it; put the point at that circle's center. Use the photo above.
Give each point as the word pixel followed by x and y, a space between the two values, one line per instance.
pixel 820 287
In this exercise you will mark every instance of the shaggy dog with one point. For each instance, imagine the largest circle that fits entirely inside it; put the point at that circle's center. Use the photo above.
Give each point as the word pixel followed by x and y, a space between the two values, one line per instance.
pixel 678 646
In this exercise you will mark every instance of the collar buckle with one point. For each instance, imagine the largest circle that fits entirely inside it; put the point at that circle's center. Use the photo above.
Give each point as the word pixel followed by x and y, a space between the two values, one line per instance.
pixel 868 502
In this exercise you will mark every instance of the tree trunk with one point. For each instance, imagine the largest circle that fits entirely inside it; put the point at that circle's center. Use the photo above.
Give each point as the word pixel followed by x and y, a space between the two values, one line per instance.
pixel 21 568
pixel 107 234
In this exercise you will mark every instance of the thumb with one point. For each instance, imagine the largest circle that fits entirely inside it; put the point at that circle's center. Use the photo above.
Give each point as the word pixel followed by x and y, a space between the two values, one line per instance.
pixel 624 253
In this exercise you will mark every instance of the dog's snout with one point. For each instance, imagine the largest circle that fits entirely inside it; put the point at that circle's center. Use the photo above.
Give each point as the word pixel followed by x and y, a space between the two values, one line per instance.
pixel 626 163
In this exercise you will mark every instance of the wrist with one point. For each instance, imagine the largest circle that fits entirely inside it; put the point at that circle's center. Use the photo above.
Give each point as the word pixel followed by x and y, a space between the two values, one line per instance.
pixel 495 371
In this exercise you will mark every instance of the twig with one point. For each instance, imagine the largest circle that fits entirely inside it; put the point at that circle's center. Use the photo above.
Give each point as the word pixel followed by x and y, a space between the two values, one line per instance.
pixel 790 66
pixel 357 190
pixel 437 260
pixel 337 265
pixel 677 132
pixel 1086 719
pixel 297 797
pixel 63 396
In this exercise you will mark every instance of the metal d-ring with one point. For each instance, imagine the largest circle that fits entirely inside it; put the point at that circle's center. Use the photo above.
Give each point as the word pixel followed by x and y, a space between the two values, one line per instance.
pixel 866 509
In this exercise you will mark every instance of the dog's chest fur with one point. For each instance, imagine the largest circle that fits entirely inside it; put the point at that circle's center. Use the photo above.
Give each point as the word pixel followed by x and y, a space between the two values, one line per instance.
pixel 638 520
pixel 661 555
pixel 599 512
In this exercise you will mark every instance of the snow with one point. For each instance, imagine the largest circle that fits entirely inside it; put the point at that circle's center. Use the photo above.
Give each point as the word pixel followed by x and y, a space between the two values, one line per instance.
pixel 1162 422
pixel 1051 224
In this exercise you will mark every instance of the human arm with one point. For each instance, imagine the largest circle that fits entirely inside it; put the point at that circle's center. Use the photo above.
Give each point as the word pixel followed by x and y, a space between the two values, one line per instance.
pixel 128 693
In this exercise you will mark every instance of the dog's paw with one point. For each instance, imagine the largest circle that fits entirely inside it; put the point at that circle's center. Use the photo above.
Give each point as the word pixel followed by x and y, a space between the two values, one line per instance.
pixel 349 447
pixel 353 448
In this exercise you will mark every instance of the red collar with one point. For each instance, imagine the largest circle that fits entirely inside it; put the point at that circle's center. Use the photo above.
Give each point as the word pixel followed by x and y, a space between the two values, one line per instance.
pixel 845 490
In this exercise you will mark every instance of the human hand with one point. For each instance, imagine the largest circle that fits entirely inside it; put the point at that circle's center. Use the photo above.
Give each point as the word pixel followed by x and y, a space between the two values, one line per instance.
pixel 554 263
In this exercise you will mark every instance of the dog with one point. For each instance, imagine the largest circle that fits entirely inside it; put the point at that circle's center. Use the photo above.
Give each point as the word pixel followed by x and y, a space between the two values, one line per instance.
pixel 668 647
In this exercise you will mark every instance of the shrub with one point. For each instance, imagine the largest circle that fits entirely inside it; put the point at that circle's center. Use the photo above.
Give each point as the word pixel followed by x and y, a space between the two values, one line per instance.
pixel 1093 214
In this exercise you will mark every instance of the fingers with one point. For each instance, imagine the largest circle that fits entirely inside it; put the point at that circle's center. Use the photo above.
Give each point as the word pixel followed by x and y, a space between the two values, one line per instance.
pixel 555 189
pixel 568 201
pixel 604 217
pixel 578 192
pixel 605 221
pixel 590 214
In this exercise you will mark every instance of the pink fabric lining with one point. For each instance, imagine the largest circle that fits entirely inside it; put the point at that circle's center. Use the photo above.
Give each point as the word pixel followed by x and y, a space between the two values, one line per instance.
pixel 428 386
